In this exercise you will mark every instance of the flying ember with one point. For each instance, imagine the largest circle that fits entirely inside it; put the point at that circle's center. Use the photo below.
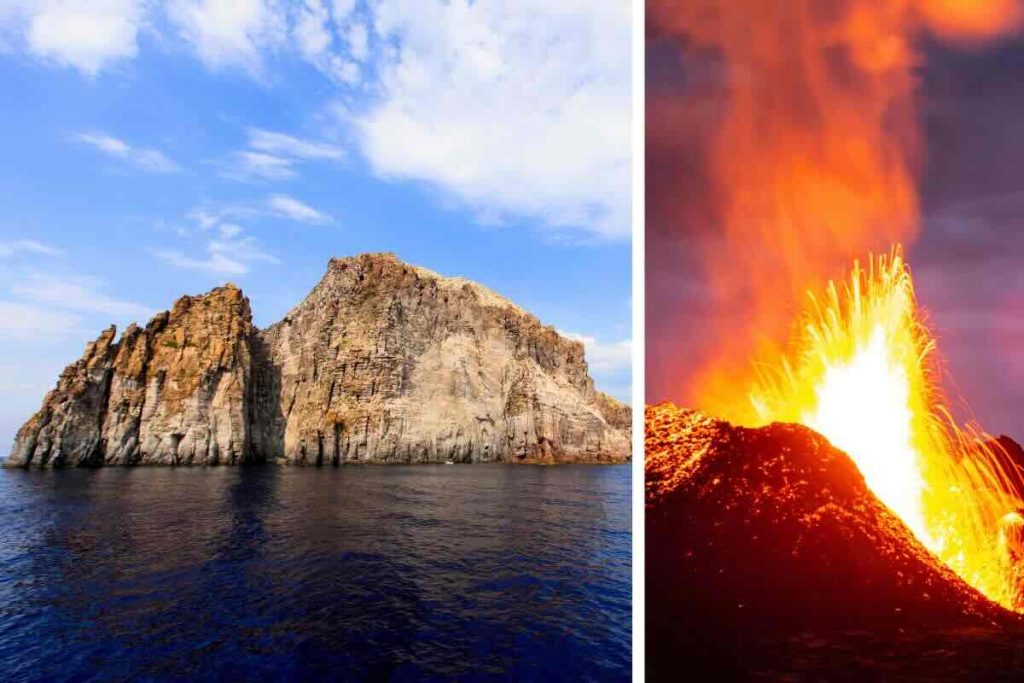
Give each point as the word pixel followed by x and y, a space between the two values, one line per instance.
pixel 861 370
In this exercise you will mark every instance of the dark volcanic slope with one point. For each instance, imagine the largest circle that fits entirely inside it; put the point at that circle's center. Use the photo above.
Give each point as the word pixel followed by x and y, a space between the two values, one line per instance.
pixel 758 539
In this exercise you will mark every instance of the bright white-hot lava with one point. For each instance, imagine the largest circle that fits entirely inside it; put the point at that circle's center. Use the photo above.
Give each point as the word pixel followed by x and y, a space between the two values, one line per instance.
pixel 861 372
pixel 877 392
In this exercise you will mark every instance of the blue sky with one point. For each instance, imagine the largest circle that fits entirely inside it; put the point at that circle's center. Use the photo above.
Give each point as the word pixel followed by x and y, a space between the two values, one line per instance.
pixel 157 149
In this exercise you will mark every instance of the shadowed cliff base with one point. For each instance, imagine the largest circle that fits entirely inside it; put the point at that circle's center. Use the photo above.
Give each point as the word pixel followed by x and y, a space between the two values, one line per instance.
pixel 768 557
pixel 383 362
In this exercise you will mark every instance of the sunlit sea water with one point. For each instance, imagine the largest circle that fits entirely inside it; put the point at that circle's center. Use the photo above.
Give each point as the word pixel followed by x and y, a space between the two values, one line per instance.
pixel 401 573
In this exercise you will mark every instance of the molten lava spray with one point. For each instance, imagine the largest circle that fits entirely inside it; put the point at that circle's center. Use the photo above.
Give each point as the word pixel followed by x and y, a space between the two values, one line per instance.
pixel 813 163
pixel 861 371
pixel 815 154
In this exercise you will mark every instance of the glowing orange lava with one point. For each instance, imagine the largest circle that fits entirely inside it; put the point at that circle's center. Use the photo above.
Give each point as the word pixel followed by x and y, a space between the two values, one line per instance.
pixel 861 371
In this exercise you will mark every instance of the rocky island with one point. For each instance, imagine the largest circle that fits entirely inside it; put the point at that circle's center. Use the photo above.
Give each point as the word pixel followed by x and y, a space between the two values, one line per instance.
pixel 383 362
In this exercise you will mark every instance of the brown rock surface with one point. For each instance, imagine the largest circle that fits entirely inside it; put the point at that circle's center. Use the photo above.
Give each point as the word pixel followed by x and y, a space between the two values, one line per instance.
pixel 383 362
pixel 172 393
pixel 67 430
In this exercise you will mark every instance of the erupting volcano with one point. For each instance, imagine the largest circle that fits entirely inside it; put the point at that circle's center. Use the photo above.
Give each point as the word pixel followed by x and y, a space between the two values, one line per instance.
pixel 862 371
pixel 852 507
pixel 823 497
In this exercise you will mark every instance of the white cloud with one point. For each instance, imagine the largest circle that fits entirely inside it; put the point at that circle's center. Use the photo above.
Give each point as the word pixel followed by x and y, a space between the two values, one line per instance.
pixel 313 34
pixel 261 166
pixel 204 219
pixel 358 38
pixel 75 293
pixel 11 248
pixel 151 160
pixel 312 30
pixel 226 250
pixel 83 34
pixel 605 357
pixel 230 231
pixel 344 70
pixel 105 143
pixel 210 217
pixel 272 155
pixel 292 208
pixel 229 33
pixel 154 160
pixel 281 144
pixel 516 108
pixel 214 262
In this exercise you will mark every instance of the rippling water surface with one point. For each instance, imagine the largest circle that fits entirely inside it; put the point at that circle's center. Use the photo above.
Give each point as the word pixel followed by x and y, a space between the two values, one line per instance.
pixel 472 572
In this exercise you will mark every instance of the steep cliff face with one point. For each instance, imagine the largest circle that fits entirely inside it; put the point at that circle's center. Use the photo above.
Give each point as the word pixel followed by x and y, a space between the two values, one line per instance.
pixel 68 429
pixel 172 393
pixel 386 362
pixel 383 362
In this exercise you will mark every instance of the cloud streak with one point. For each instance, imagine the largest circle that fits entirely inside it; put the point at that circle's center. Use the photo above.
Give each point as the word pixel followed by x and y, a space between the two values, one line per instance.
pixel 283 145
pixel 291 208
pixel 8 249
pixel 227 250
pixel 75 293
pixel 275 156
pixel 257 165
pixel 151 160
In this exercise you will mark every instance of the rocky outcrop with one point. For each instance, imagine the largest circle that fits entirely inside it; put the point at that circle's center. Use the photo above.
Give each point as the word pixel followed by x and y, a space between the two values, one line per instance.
pixel 382 363
pixel 172 393
pixel 615 413
pixel 179 390
pixel 386 362
pixel 68 430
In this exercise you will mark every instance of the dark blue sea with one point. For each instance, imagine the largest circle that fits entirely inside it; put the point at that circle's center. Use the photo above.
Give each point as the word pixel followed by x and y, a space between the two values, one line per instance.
pixel 475 572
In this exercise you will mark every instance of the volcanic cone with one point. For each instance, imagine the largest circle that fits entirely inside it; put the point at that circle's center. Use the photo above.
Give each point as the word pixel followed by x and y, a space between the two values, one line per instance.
pixel 767 553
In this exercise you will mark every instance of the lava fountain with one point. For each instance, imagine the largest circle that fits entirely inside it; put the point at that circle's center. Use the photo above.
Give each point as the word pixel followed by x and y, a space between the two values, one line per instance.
pixel 862 371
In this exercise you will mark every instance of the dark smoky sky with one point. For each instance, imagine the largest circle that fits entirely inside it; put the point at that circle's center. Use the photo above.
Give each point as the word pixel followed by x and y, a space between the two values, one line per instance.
pixel 968 260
